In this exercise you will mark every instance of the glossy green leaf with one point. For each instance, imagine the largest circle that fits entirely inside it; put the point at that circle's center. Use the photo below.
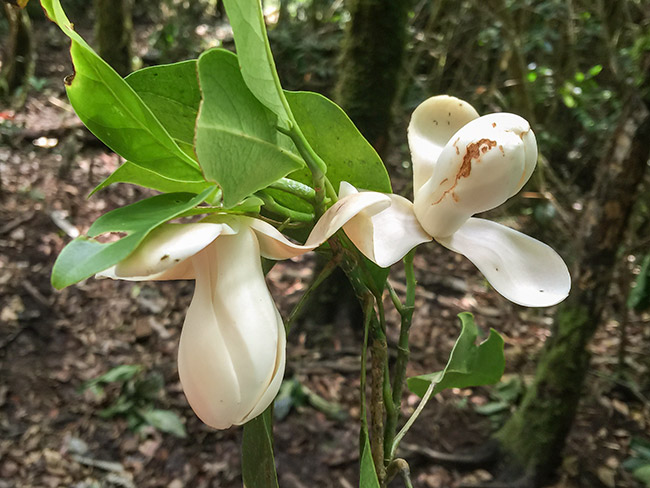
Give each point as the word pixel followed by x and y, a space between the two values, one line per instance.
pixel 331 133
pixel 258 463
pixel 84 256
pixel 137 175
pixel 367 473
pixel 172 93
pixel 236 140
pixel 469 364
pixel 255 57
pixel 111 109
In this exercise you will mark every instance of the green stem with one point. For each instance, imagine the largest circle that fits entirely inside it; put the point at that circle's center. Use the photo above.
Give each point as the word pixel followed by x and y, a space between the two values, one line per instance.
pixel 325 272
pixel 295 188
pixel 367 315
pixel 331 191
pixel 401 467
pixel 403 353
pixel 314 162
pixel 276 208
pixel 378 368
pixel 412 419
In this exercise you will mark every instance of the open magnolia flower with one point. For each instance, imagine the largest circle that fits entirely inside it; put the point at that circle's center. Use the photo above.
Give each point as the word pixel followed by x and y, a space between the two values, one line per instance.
pixel 463 164
pixel 231 355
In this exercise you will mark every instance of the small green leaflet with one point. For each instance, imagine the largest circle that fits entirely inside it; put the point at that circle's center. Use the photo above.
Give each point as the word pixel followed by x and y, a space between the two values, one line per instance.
pixel 258 463
pixel 164 421
pixel 367 473
pixel 112 111
pixel 469 364
pixel 255 57
pixel 85 256
pixel 237 143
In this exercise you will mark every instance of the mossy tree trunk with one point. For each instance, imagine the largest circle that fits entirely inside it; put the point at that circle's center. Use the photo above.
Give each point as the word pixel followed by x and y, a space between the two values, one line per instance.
pixel 370 64
pixel 535 435
pixel 114 33
pixel 18 55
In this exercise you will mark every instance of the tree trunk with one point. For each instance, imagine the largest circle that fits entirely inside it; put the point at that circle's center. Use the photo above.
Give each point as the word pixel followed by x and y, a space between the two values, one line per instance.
pixel 18 54
pixel 533 438
pixel 114 33
pixel 373 49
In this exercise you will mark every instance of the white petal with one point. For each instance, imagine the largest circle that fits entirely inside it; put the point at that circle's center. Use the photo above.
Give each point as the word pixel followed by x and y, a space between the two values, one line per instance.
pixel 485 163
pixel 342 211
pixel 163 253
pixel 273 245
pixel 432 124
pixel 270 393
pixel 524 270
pixel 385 237
pixel 231 351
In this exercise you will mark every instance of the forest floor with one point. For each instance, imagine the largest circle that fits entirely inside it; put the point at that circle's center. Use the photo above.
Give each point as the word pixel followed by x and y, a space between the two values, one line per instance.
pixel 52 342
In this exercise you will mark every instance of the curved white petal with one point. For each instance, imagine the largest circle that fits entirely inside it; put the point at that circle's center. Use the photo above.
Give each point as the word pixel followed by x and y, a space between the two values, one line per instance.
pixel 344 210
pixel 163 253
pixel 522 269
pixel 432 124
pixel 483 164
pixel 273 245
pixel 231 352
pixel 386 236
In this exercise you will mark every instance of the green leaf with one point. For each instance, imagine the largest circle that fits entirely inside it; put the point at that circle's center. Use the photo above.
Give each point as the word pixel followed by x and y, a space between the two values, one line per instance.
pixel 594 70
pixel 643 474
pixel 84 256
pixel 367 474
pixel 236 138
pixel 330 132
pixel 165 421
pixel 172 94
pixel 255 57
pixel 120 374
pixel 258 463
pixel 468 365
pixel 109 107
pixel 137 175
pixel 639 298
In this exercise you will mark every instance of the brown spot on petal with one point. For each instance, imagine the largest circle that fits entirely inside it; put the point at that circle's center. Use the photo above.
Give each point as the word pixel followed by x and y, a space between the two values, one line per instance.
pixel 494 125
pixel 473 151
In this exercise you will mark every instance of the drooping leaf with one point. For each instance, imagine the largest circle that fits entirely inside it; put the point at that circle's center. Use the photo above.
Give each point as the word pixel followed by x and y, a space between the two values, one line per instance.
pixel 112 110
pixel 331 133
pixel 367 473
pixel 165 421
pixel 84 256
pixel 236 140
pixel 469 364
pixel 258 463
pixel 137 175
pixel 255 57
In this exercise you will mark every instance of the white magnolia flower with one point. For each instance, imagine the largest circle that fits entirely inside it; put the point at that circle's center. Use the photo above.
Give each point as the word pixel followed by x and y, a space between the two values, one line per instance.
pixel 463 164
pixel 231 355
